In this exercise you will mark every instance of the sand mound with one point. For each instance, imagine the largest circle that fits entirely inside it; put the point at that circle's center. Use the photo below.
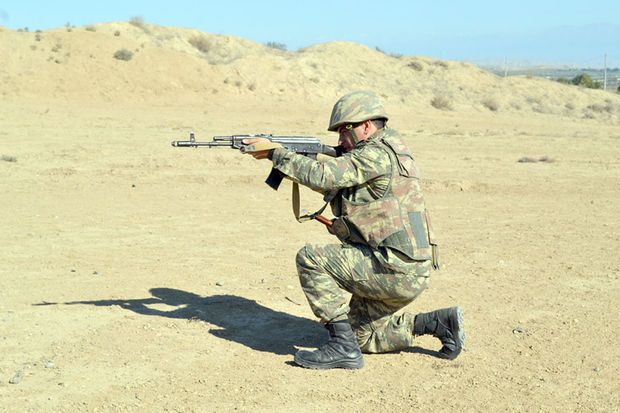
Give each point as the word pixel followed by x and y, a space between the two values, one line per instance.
pixel 158 63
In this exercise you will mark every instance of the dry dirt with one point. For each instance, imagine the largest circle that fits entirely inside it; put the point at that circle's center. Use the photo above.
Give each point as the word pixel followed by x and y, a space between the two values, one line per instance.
pixel 140 277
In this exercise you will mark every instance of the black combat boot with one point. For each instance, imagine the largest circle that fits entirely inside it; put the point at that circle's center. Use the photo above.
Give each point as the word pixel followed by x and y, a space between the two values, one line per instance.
pixel 445 324
pixel 340 351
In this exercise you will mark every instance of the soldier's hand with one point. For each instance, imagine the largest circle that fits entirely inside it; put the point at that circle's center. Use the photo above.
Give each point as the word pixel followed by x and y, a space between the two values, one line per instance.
pixel 259 147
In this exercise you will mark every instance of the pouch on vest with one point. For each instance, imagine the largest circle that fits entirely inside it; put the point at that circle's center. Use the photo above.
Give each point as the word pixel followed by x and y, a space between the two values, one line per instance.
pixel 433 241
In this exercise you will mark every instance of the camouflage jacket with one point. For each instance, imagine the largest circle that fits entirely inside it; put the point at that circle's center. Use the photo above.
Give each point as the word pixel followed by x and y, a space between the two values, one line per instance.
pixel 374 191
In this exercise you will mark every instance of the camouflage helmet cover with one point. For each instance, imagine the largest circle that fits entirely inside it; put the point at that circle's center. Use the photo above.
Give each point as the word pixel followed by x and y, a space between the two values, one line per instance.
pixel 356 107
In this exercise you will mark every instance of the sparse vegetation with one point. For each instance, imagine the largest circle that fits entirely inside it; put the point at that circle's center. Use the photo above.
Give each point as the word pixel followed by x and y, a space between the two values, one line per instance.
pixel 138 21
pixel 123 54
pixel 276 45
pixel 491 104
pixel 38 37
pixel 586 81
pixel 441 102
pixel 441 63
pixel 252 87
pixel 600 108
pixel 8 158
pixel 528 159
pixel 90 28
pixel 117 33
pixel 417 66
pixel 69 27
pixel 201 43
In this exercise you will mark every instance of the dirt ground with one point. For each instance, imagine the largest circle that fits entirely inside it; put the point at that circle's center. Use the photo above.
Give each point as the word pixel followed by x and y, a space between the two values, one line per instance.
pixel 140 277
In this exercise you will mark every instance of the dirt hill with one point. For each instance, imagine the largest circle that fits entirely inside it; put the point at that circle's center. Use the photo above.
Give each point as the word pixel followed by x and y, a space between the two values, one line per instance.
pixel 156 63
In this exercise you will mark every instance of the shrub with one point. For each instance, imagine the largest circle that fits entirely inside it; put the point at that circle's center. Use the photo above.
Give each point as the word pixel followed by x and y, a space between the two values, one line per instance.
pixel 564 80
pixel 586 81
pixel 139 22
pixel 8 158
pixel 90 28
pixel 417 66
pixel 123 54
pixel 600 108
pixel 276 45
pixel 491 104
pixel 201 43
pixel 441 102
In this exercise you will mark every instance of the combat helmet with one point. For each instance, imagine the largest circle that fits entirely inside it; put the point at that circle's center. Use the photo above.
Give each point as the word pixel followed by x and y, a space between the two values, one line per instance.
pixel 356 107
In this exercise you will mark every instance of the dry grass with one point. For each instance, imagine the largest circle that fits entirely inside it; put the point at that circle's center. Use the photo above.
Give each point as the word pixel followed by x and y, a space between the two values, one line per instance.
pixel 139 22
pixel 490 104
pixel 123 54
pixel 543 159
pixel 8 158
pixel 417 66
pixel 201 43
pixel 441 102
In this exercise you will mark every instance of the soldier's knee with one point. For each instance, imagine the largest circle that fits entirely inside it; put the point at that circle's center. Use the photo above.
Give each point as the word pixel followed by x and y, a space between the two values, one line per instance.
pixel 305 257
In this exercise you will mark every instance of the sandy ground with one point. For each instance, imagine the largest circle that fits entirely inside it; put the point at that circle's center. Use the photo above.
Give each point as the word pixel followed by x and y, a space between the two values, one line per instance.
pixel 140 277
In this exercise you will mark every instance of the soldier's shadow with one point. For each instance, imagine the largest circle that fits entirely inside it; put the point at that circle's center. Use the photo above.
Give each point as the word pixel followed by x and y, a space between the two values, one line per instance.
pixel 230 317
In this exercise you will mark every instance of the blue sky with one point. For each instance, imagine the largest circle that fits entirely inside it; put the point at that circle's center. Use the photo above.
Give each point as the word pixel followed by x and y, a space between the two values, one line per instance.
pixel 569 32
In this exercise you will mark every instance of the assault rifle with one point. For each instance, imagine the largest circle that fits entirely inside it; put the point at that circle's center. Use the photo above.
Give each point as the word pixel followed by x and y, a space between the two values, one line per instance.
pixel 303 145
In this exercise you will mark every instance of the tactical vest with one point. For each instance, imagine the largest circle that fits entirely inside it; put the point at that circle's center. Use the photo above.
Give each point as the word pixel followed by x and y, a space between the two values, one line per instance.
pixel 399 219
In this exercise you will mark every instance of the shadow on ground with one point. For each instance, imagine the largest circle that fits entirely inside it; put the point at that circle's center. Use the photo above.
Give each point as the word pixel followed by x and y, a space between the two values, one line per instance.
pixel 231 318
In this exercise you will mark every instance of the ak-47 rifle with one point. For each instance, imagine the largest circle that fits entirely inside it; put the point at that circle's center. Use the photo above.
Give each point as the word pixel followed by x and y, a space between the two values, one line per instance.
pixel 303 145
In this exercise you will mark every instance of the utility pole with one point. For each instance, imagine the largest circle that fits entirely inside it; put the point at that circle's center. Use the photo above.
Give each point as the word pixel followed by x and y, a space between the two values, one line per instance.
pixel 605 74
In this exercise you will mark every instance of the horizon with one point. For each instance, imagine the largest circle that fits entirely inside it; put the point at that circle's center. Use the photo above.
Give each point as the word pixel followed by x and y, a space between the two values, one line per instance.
pixel 524 35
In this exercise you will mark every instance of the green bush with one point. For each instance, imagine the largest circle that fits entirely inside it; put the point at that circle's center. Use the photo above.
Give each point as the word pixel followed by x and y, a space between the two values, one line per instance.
pixel 123 54
pixel 586 81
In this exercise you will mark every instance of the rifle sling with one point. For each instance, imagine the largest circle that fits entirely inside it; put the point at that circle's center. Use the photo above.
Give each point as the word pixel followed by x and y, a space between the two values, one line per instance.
pixel 297 203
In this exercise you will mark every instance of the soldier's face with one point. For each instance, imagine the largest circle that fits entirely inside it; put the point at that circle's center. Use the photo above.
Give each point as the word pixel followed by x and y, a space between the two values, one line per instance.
pixel 349 135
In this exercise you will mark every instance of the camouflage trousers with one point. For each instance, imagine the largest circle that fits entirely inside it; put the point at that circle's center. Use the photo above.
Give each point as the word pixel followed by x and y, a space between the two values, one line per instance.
pixel 380 285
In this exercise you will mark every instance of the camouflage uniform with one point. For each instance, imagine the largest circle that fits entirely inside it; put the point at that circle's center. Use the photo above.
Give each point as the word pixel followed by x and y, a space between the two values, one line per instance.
pixel 384 258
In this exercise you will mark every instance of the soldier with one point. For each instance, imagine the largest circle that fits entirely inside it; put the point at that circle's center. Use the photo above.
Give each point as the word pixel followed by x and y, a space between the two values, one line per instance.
pixel 387 244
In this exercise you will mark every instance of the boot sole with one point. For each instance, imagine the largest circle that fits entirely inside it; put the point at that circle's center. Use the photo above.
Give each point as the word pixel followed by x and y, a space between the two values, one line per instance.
pixel 356 363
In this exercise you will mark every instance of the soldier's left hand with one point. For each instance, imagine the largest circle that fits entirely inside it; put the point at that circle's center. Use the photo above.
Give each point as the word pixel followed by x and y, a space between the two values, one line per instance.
pixel 258 154
pixel 256 145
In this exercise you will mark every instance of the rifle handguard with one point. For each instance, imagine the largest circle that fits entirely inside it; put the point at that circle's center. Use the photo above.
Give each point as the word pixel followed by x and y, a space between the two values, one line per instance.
pixel 259 147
